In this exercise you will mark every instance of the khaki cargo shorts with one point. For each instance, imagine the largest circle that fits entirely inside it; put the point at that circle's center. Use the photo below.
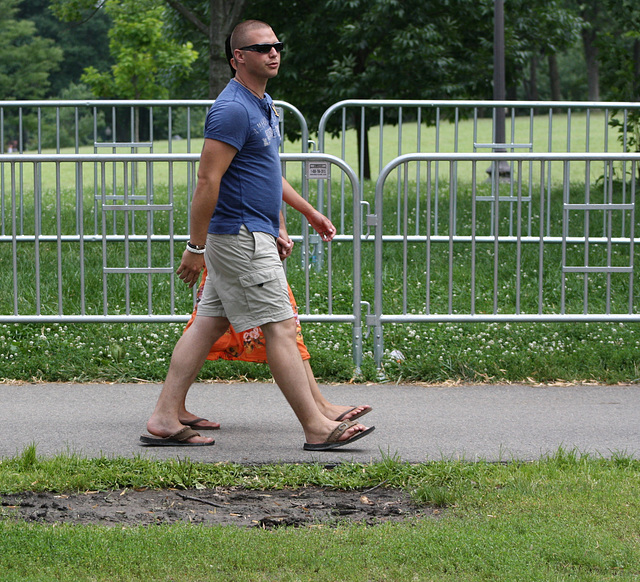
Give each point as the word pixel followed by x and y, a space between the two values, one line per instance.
pixel 246 282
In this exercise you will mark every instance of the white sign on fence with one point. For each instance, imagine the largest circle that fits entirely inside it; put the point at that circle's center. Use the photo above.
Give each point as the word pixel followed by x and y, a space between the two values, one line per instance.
pixel 318 170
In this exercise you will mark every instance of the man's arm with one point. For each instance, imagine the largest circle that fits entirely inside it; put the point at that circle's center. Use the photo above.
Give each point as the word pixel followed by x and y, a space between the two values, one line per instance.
pixel 214 162
pixel 318 221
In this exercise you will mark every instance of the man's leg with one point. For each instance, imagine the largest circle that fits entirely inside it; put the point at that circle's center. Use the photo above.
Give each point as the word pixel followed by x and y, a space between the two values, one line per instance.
pixel 289 372
pixel 188 357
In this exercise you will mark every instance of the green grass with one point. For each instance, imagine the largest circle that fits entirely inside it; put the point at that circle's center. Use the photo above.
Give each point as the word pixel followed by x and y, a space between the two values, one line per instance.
pixel 564 517
pixel 437 353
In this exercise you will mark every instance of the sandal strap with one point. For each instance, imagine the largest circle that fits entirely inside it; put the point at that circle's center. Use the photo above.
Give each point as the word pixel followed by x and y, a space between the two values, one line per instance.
pixel 337 432
pixel 184 434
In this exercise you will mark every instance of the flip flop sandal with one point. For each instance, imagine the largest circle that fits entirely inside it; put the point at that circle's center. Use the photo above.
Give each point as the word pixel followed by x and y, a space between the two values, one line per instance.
pixel 194 424
pixel 177 439
pixel 332 441
pixel 365 411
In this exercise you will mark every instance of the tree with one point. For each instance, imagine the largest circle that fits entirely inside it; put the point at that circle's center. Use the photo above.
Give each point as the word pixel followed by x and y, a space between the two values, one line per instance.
pixel 26 64
pixel 83 43
pixel 620 50
pixel 620 57
pixel 213 20
pixel 367 49
pixel 404 49
pixel 146 61
pixel 26 60
pixel 540 29
pixel 594 17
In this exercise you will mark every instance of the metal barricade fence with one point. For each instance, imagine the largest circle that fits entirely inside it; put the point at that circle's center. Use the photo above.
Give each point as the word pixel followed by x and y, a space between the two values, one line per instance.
pixel 62 270
pixel 115 126
pixel 571 259
pixel 369 133
pixel 90 236
pixel 72 125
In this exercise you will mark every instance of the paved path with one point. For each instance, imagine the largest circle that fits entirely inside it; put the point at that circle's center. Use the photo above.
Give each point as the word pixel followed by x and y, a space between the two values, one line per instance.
pixel 413 423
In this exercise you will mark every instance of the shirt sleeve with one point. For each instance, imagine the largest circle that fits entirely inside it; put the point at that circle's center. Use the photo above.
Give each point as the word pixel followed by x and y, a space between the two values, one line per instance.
pixel 228 122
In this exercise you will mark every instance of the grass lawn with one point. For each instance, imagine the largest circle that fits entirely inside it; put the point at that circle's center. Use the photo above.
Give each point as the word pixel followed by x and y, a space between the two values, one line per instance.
pixel 565 517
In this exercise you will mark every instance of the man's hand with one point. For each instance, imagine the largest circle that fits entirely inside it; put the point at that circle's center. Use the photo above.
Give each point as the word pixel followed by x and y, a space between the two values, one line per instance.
pixel 322 225
pixel 285 246
pixel 318 221
pixel 190 267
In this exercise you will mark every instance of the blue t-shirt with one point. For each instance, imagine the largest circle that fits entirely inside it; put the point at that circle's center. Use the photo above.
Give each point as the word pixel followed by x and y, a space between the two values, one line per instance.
pixel 251 188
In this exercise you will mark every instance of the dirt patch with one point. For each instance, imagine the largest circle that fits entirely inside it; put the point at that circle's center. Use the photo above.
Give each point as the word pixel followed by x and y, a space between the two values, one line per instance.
pixel 309 506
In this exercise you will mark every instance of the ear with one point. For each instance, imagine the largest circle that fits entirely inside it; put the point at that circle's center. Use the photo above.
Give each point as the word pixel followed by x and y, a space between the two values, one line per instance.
pixel 238 56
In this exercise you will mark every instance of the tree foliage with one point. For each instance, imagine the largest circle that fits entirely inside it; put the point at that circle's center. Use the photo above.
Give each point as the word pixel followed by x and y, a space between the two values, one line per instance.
pixel 411 49
pixel 620 50
pixel 211 21
pixel 405 49
pixel 81 42
pixel 26 60
pixel 620 55
pixel 146 61
pixel 538 29
pixel 200 24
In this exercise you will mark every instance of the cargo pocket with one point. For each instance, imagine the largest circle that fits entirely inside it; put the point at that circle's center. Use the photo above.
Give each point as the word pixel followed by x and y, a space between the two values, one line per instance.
pixel 263 291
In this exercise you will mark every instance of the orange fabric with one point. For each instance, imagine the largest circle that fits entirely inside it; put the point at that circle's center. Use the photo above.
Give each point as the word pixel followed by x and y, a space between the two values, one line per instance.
pixel 248 346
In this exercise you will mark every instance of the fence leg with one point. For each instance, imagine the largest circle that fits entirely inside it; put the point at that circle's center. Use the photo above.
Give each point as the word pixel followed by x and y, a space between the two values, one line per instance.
pixel 378 349
pixel 357 350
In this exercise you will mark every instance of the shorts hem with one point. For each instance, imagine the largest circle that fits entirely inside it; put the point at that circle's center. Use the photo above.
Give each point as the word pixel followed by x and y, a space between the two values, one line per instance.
pixel 204 312
pixel 241 325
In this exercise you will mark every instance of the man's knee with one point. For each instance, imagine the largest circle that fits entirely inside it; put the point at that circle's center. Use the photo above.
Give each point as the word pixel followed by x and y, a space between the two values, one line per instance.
pixel 284 330
pixel 209 328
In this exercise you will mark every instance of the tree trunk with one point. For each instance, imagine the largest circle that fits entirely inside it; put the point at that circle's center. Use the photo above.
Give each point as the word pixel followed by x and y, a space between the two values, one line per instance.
pixel 223 17
pixel 554 78
pixel 532 93
pixel 218 68
pixel 591 59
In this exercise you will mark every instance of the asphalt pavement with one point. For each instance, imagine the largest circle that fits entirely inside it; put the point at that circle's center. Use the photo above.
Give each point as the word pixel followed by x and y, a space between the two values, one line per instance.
pixel 414 423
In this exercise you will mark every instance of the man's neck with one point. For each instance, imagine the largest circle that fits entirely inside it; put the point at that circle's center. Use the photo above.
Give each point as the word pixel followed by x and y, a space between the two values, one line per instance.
pixel 255 88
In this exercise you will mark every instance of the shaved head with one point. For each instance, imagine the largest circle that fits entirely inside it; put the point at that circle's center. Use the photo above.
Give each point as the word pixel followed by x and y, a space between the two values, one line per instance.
pixel 241 33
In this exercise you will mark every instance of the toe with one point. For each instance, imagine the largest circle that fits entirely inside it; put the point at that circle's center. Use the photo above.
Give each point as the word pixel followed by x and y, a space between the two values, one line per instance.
pixel 352 431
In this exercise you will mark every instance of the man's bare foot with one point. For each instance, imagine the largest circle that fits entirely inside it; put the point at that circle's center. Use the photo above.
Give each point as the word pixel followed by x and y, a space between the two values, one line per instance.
pixel 199 423
pixel 343 433
pixel 156 428
pixel 340 413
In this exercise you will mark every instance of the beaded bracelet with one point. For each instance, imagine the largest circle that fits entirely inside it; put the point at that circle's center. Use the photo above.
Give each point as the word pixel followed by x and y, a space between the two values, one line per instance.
pixel 196 249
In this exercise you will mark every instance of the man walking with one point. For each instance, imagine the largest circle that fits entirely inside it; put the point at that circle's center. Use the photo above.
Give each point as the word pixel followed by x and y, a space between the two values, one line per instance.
pixel 235 224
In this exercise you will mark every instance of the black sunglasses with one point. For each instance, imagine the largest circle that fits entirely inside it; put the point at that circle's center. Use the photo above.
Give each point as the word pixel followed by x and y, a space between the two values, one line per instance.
pixel 263 48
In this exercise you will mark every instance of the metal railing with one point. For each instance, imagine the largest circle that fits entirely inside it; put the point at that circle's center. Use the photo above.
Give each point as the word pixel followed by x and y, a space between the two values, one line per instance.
pixel 90 236
pixel 65 269
pixel 65 124
pixel 572 259
pixel 369 133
